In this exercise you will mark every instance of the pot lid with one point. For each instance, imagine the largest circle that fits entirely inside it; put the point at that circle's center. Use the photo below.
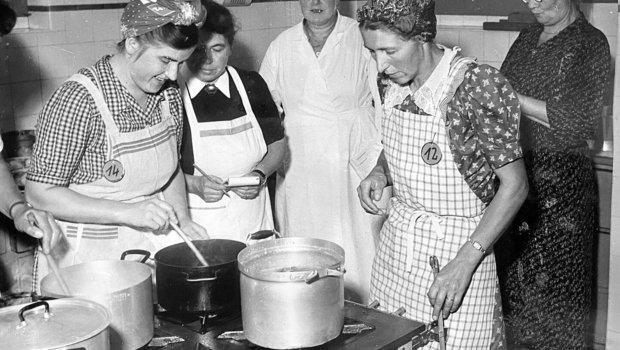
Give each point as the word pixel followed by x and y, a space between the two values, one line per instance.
pixel 51 324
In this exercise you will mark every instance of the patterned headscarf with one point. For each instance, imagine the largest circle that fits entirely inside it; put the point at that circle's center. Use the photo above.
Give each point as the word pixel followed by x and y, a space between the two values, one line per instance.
pixel 410 17
pixel 143 16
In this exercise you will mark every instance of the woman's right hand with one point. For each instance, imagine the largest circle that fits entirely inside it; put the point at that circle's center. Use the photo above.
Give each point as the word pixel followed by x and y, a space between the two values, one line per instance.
pixel 210 188
pixel 370 190
pixel 152 214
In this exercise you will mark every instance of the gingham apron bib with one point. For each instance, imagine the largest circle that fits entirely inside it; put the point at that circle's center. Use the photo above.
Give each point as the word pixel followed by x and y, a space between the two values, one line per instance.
pixel 148 159
pixel 433 212
pixel 227 149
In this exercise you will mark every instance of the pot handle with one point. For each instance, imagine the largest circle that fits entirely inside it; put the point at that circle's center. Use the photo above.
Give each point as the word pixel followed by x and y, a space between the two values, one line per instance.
pixel 204 279
pixel 20 314
pixel 262 235
pixel 146 254
pixel 315 275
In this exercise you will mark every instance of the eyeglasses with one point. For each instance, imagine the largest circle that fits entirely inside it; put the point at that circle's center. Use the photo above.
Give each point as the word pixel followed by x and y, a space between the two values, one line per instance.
pixel 527 1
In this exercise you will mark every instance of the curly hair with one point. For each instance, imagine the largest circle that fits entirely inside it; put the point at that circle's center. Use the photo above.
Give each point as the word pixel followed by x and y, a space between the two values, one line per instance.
pixel 407 18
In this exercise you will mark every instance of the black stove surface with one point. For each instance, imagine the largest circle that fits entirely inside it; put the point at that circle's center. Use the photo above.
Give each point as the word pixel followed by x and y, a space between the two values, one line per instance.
pixel 382 331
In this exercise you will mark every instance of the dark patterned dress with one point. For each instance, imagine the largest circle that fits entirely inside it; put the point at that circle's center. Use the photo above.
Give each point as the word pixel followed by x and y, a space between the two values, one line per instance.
pixel 546 261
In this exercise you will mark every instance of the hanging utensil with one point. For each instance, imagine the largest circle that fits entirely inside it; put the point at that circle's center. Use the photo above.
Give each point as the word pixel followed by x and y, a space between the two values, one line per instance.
pixel 189 243
pixel 442 339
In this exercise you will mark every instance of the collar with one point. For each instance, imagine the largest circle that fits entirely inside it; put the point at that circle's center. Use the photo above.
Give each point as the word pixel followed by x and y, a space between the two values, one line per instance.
pixel 337 32
pixel 194 85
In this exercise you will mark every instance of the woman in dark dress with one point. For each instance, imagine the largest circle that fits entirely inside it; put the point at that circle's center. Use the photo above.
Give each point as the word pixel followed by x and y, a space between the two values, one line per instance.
pixel 232 128
pixel 560 68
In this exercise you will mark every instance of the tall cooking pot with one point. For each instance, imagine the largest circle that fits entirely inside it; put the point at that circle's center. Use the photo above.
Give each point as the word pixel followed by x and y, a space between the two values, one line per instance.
pixel 124 287
pixel 184 286
pixel 292 292
pixel 55 324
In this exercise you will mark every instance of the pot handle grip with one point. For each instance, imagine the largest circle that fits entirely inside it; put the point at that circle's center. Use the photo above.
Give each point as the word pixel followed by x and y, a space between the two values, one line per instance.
pixel 146 254
pixel 35 305
pixel 315 275
pixel 262 235
pixel 204 279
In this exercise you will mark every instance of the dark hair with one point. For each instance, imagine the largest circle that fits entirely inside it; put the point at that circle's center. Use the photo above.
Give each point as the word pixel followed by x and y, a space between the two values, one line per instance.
pixel 219 21
pixel 176 36
pixel 7 18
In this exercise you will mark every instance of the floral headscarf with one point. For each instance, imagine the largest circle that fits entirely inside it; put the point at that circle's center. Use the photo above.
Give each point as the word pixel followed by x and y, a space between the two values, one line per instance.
pixel 411 17
pixel 143 16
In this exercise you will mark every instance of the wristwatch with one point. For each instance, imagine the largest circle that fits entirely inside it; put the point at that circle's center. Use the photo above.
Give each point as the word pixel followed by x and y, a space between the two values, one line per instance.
pixel 477 246
pixel 263 177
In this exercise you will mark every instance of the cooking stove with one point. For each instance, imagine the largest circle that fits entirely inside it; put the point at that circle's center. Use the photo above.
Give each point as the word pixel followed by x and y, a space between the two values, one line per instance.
pixel 365 328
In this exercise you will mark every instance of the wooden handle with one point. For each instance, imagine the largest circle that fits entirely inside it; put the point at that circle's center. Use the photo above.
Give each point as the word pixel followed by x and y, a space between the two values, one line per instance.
pixel 63 285
pixel 189 243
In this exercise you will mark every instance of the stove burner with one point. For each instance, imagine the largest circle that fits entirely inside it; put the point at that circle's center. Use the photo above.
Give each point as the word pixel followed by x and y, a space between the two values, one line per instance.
pixel 199 323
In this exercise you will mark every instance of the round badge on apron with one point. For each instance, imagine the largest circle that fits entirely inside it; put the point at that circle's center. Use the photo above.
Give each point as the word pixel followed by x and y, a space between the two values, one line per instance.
pixel 113 171
pixel 431 153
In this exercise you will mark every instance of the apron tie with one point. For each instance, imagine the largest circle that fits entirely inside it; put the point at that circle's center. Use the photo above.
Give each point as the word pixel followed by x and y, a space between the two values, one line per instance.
pixel 438 230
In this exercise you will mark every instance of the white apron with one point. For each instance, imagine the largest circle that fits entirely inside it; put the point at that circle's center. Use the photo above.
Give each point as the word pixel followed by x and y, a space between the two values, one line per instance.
pixel 316 193
pixel 149 159
pixel 433 213
pixel 228 149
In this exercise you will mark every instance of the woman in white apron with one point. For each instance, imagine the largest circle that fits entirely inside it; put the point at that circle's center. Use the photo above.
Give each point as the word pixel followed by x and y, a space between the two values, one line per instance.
pixel 450 133
pixel 106 158
pixel 233 129
pixel 317 72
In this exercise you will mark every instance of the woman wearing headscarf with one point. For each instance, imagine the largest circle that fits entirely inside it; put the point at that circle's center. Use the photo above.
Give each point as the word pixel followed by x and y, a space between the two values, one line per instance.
pixel 451 151
pixel 105 162
pixel 232 129
pixel 560 68
pixel 317 72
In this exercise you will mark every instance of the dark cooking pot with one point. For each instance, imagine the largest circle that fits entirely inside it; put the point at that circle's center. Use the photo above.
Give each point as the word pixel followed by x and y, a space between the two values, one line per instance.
pixel 185 286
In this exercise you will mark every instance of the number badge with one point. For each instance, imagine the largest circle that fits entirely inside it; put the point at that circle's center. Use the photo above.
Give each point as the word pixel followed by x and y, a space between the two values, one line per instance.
pixel 431 153
pixel 113 171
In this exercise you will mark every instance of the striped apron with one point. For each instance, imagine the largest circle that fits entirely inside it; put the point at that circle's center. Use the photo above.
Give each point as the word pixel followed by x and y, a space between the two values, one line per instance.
pixel 433 212
pixel 148 159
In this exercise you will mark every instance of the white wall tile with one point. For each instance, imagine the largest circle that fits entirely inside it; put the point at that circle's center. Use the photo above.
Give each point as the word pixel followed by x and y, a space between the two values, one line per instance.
pixel 471 43
pixel 26 98
pixel 23 64
pixel 26 122
pixel 52 37
pixel 6 107
pixel 105 25
pixel 79 26
pixel 54 62
pixel 447 37
pixel 5 77
pixel 48 86
pixel 496 45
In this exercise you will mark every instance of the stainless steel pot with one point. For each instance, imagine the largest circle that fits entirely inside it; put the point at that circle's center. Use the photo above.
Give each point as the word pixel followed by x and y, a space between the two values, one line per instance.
pixel 123 287
pixel 55 324
pixel 292 292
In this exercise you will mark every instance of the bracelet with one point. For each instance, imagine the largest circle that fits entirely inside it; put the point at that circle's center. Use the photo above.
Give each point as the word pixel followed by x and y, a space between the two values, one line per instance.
pixel 477 246
pixel 263 177
pixel 16 204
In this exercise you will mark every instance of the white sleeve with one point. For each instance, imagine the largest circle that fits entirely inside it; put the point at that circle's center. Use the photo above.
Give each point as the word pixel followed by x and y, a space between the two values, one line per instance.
pixel 269 71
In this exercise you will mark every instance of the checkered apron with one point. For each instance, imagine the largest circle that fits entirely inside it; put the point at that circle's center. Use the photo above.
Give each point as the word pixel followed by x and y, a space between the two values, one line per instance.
pixel 433 212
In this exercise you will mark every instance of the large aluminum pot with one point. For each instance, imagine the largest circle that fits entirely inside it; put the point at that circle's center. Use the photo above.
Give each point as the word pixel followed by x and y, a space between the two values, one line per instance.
pixel 123 287
pixel 55 324
pixel 292 292
pixel 184 286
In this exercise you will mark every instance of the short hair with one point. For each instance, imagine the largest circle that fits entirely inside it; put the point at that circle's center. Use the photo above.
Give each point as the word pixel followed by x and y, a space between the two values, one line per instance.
pixel 7 18
pixel 178 37
pixel 219 21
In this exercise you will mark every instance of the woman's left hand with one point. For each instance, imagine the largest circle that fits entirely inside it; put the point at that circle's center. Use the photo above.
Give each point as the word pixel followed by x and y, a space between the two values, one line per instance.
pixel 247 192
pixel 449 287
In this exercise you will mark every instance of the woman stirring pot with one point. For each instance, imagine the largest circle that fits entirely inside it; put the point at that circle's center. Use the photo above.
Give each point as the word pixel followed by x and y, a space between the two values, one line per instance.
pixel 232 129
pixel 106 158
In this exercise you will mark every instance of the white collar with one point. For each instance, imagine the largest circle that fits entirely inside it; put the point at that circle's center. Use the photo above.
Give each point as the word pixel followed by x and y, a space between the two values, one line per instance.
pixel 194 85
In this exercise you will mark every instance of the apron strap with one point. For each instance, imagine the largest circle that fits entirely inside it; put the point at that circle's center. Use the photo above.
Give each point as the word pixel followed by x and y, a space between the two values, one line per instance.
pixel 97 96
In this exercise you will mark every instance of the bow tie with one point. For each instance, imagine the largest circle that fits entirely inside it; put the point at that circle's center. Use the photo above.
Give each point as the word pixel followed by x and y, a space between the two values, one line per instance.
pixel 210 89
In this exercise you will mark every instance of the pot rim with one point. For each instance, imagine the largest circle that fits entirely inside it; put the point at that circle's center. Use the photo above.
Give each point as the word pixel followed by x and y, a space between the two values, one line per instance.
pixel 159 261
pixel 260 250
